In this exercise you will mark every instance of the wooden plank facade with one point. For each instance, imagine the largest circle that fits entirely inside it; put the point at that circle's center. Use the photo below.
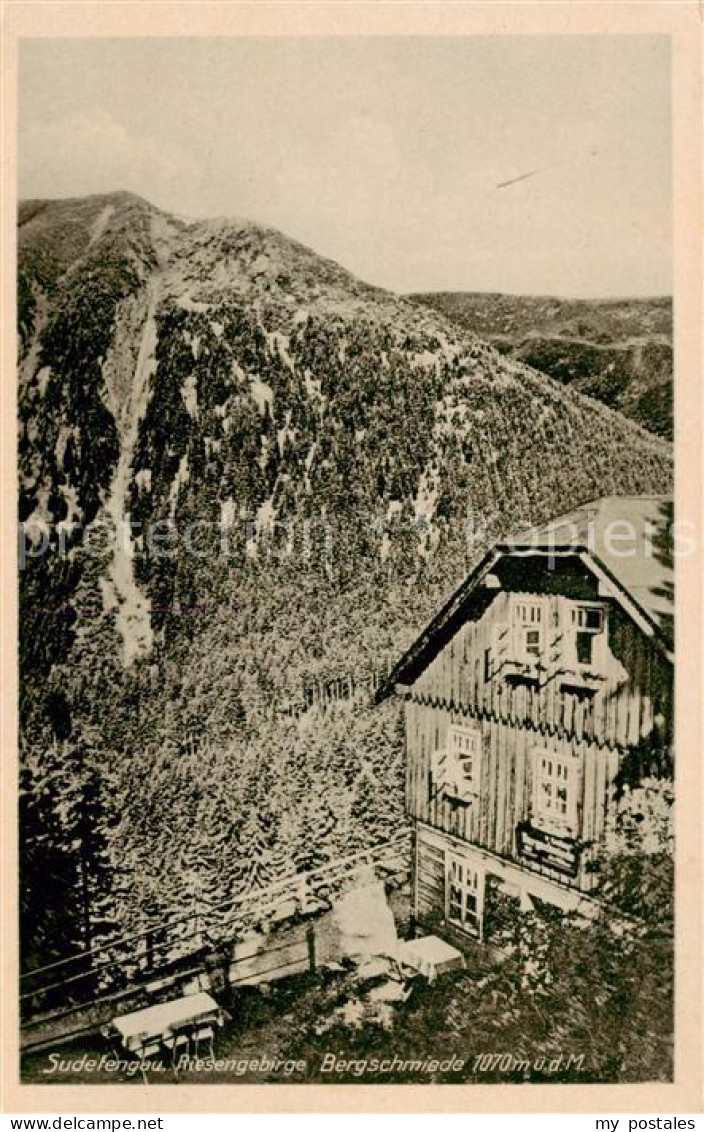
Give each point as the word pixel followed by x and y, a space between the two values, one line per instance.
pixel 533 698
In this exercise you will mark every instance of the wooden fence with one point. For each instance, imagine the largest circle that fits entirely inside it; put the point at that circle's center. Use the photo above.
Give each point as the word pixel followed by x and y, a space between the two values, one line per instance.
pixel 239 939
pixel 324 693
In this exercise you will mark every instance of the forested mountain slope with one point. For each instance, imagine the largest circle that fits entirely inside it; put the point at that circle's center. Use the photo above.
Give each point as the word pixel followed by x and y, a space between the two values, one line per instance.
pixel 616 350
pixel 242 471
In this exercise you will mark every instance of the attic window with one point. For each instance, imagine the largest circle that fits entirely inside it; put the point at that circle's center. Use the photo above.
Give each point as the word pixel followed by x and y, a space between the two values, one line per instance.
pixel 588 617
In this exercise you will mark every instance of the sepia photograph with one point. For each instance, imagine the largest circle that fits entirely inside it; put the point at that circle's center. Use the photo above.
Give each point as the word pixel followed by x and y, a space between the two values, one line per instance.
pixel 346 560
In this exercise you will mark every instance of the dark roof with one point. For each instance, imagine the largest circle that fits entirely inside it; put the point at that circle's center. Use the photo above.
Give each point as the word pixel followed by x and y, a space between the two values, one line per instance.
pixel 629 535
pixel 625 540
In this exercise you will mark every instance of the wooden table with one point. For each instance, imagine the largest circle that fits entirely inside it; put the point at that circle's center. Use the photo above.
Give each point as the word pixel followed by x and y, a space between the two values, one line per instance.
pixel 430 956
pixel 157 1023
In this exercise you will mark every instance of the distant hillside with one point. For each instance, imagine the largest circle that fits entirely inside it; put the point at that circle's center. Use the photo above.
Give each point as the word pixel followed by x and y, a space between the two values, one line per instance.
pixel 309 465
pixel 618 351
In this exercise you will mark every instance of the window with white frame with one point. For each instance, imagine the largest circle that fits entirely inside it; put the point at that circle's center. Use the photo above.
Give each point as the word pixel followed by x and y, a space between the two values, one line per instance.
pixel 528 621
pixel 464 893
pixel 465 746
pixel 588 628
pixel 456 770
pixel 555 792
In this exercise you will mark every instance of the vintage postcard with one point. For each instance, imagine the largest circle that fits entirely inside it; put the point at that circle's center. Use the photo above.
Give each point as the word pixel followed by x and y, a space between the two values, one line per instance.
pixel 354 452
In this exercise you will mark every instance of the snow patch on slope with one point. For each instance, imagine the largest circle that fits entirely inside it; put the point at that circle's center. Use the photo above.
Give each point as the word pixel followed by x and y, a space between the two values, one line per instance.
pixel 227 512
pixel 263 526
pixel 183 474
pixel 426 496
pixel 133 619
pixel 188 303
pixel 313 387
pixel 310 455
pixel 276 339
pixel 189 393
pixel 43 379
pixel 73 511
pixel 100 224
pixel 262 393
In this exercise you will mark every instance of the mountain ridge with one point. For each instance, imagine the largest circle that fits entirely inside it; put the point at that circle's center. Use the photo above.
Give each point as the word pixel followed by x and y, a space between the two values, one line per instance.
pixel 618 351
pixel 357 450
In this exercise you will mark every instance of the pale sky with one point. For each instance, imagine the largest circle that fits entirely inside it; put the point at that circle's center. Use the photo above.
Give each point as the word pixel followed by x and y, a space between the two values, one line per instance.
pixel 383 154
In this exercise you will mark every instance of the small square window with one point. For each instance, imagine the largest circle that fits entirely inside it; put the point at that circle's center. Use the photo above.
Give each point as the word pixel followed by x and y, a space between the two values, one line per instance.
pixel 589 618
pixel 531 642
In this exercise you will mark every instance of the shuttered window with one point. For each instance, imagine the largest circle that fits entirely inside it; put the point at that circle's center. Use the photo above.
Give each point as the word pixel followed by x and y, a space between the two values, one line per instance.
pixel 456 769
pixel 465 745
pixel 528 620
pixel 555 792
